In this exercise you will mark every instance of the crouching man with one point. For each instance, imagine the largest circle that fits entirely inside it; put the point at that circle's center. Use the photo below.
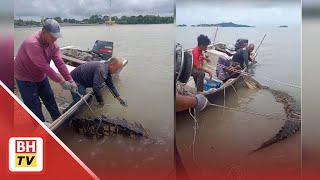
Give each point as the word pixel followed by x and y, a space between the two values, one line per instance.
pixel 93 75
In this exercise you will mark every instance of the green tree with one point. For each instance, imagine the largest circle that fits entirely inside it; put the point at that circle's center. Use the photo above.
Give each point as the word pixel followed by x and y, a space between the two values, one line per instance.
pixel 58 19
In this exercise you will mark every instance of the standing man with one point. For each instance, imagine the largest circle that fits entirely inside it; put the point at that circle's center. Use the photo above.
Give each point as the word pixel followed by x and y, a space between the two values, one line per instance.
pixel 93 75
pixel 198 71
pixel 244 55
pixel 32 69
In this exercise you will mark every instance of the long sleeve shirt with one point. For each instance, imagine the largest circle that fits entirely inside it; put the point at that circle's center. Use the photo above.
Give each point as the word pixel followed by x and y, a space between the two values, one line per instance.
pixel 94 74
pixel 242 57
pixel 32 62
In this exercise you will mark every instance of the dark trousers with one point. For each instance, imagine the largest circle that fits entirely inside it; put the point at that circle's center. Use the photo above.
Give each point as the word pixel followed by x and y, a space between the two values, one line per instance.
pixel 31 92
pixel 198 76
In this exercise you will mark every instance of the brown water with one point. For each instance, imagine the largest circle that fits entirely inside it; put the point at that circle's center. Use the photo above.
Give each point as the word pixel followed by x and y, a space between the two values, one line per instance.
pixel 311 99
pixel 225 137
pixel 146 83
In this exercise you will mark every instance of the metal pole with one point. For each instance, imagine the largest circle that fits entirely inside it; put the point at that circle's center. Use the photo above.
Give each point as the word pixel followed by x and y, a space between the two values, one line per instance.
pixel 68 113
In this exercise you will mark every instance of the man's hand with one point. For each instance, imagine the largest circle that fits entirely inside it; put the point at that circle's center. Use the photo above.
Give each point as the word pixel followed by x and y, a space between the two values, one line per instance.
pixel 253 57
pixel 67 85
pixel 210 74
pixel 122 102
pixel 205 57
pixel 208 59
pixel 208 71
pixel 74 86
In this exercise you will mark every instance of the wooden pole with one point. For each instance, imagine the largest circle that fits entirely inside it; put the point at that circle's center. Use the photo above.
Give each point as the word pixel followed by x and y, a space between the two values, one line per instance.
pixel 215 35
pixel 260 43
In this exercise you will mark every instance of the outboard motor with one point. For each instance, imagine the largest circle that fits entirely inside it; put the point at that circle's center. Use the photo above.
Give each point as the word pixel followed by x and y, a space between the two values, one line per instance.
pixel 103 49
pixel 241 43
pixel 183 64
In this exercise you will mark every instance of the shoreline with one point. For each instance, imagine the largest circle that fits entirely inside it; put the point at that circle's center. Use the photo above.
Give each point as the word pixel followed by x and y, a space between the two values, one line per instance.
pixel 68 25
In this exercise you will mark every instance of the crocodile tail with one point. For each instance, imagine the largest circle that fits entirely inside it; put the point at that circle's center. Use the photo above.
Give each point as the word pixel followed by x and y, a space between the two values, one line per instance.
pixel 289 128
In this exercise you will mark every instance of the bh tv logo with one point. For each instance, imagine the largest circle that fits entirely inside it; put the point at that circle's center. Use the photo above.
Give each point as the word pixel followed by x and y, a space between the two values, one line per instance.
pixel 25 154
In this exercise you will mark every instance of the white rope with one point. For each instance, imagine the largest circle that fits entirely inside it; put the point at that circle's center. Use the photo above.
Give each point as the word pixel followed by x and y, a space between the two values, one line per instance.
pixel 224 96
pixel 235 91
pixel 81 97
pixel 100 120
pixel 252 75
pixel 249 112
pixel 195 128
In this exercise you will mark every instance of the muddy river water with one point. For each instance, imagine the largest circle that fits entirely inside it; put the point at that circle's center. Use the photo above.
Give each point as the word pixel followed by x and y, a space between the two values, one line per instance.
pixel 225 138
pixel 146 83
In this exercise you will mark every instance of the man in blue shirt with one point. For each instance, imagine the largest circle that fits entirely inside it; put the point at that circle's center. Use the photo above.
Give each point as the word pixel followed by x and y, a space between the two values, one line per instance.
pixel 94 74
pixel 243 56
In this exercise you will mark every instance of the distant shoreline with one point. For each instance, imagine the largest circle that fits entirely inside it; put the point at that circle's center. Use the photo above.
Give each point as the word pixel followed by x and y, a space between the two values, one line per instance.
pixel 223 24
pixel 95 20
pixel 68 25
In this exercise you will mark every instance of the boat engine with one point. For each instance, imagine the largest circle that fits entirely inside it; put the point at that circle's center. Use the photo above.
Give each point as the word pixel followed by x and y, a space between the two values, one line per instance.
pixel 241 43
pixel 102 49
pixel 183 64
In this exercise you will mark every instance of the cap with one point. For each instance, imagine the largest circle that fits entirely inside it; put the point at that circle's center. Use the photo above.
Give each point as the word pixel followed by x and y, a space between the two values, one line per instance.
pixel 53 27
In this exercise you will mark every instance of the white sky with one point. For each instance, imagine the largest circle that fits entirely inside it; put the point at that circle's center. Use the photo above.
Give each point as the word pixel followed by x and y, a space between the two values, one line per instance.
pixel 83 8
pixel 249 12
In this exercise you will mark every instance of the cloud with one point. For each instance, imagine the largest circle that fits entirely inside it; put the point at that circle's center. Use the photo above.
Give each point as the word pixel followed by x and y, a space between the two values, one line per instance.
pixel 251 12
pixel 85 8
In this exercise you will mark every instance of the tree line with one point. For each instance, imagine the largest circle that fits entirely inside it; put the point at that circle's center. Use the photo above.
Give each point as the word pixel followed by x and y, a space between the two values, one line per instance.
pixel 99 19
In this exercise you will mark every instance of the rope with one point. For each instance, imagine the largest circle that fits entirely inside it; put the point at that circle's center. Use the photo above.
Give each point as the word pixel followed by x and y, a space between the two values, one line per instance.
pixel 235 91
pixel 195 128
pixel 252 75
pixel 100 119
pixel 224 96
pixel 249 112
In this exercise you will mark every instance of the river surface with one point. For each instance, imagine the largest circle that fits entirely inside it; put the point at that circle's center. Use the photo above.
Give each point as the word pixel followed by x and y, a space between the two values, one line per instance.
pixel 146 83
pixel 226 137
pixel 311 99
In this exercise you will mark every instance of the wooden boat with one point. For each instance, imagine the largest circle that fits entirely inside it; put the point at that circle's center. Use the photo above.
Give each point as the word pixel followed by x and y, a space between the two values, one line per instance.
pixel 213 52
pixel 72 61
pixel 74 56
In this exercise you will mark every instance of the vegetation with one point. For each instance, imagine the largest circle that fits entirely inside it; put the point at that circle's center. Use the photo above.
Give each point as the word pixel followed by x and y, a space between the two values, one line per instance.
pixel 99 19
pixel 148 19
pixel 224 24
pixel 26 23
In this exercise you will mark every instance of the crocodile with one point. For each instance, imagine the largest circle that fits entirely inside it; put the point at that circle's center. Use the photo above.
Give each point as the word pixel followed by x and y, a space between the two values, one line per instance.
pixel 292 123
pixel 107 126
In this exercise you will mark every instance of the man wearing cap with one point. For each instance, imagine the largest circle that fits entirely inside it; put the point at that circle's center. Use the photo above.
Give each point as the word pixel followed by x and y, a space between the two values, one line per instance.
pixel 32 69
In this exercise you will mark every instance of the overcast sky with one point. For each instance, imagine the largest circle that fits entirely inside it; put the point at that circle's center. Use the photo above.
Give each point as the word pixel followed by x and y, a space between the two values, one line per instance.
pixel 84 8
pixel 250 12
pixel 311 3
